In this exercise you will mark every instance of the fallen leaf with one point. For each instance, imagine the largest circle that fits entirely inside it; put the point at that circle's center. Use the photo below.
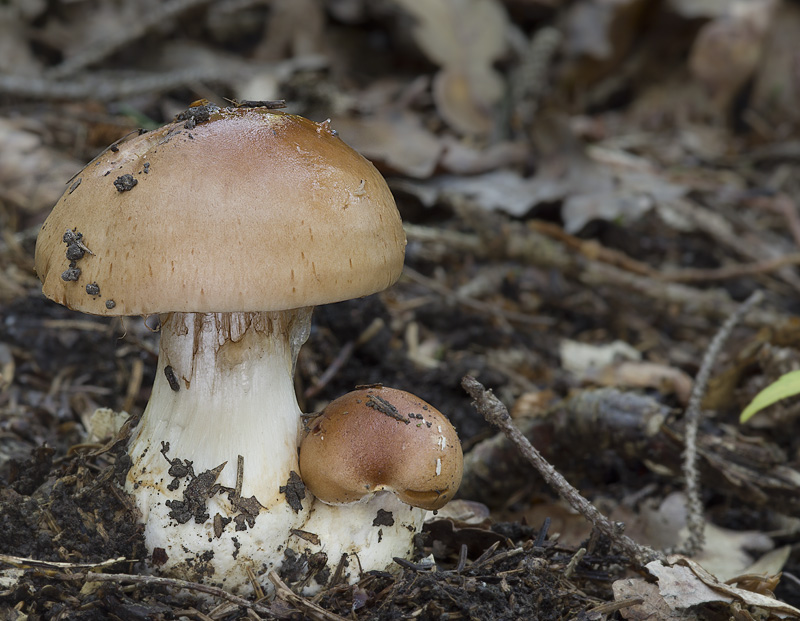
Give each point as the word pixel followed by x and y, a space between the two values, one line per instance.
pixel 726 553
pixel 578 358
pixel 500 190
pixel 396 143
pixel 294 28
pixel 681 588
pixel 15 51
pixel 462 159
pixel 463 37
pixel 726 592
pixel 459 33
pixel 653 605
pixel 727 49
pixel 664 378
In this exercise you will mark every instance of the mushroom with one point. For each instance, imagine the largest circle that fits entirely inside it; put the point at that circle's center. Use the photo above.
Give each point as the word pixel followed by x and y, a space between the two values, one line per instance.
pixel 230 224
pixel 377 439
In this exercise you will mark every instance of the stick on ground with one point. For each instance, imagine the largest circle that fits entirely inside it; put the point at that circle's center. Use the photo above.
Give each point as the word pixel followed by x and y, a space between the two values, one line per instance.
pixel 691 475
pixel 493 410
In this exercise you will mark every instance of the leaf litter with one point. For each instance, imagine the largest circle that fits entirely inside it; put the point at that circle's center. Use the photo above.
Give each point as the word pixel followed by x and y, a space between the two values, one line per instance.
pixel 569 173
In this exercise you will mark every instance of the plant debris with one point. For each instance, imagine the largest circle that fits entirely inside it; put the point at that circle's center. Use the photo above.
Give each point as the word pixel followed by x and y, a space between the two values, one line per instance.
pixel 125 183
pixel 589 191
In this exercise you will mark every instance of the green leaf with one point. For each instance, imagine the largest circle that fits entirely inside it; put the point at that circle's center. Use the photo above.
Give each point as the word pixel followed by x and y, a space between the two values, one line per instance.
pixel 785 386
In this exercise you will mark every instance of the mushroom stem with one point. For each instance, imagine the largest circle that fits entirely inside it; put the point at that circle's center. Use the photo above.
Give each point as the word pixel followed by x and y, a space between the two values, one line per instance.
pixel 224 388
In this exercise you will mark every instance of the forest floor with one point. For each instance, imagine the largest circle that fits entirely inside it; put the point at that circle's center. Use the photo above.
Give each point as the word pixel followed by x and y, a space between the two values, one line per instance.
pixel 589 190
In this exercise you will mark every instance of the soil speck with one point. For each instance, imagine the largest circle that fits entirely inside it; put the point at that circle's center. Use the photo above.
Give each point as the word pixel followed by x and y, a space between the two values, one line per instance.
pixel 125 183
pixel 169 373
pixel 71 274
pixel 383 518
pixel 294 490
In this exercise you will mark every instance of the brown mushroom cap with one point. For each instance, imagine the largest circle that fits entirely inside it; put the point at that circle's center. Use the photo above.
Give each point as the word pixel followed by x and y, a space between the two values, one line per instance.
pixel 381 439
pixel 243 209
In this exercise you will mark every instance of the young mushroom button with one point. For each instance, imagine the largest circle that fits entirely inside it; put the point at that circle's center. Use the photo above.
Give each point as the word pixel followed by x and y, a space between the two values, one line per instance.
pixel 377 439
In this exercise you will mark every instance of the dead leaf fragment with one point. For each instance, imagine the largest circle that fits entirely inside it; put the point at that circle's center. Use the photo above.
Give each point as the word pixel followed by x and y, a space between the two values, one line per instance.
pixel 463 37
pixel 396 142
pixel 687 583
pixel 653 605
pixel 727 49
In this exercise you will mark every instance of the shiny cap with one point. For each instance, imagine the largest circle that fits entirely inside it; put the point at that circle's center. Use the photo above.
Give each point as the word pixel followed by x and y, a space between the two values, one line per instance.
pixel 377 439
pixel 239 209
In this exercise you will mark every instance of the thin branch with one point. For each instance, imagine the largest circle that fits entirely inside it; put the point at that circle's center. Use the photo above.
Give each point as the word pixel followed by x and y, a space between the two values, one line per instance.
pixel 694 505
pixel 22 562
pixel 727 272
pixel 493 410
pixel 305 606
pixel 470 302
pixel 107 88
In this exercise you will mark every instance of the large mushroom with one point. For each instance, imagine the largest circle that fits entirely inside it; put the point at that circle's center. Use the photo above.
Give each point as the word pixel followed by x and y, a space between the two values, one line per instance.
pixel 230 224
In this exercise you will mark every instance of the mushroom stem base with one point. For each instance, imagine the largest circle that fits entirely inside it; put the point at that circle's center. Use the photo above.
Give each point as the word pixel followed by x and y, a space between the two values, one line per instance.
pixel 213 459
pixel 214 452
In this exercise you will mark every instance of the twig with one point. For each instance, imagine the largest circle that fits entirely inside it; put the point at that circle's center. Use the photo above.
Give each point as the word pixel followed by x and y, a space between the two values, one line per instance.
pixel 237 492
pixel 22 562
pixel 180 584
pixel 493 410
pixel 710 303
pixel 472 303
pixel 308 608
pixel 594 251
pixel 574 562
pixel 106 88
pixel 727 272
pixel 146 21
pixel 694 505
pixel 549 246
pixel 333 369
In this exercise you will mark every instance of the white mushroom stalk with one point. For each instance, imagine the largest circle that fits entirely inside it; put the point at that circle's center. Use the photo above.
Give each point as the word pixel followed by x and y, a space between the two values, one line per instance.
pixel 215 463
pixel 214 453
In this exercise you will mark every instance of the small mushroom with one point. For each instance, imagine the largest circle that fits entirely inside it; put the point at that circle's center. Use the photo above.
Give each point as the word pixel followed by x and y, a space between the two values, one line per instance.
pixel 377 439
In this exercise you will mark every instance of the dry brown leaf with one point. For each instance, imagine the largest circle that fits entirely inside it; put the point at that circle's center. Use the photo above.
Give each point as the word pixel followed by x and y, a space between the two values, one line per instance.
pixel 663 378
pixel 653 605
pixel 398 143
pixel 598 34
pixel 680 587
pixel 465 98
pixel 686 583
pixel 461 159
pixel 727 49
pixel 463 37
pixel 499 190
pixel 294 28
pixel 776 89
pixel 727 553
pixel 459 33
